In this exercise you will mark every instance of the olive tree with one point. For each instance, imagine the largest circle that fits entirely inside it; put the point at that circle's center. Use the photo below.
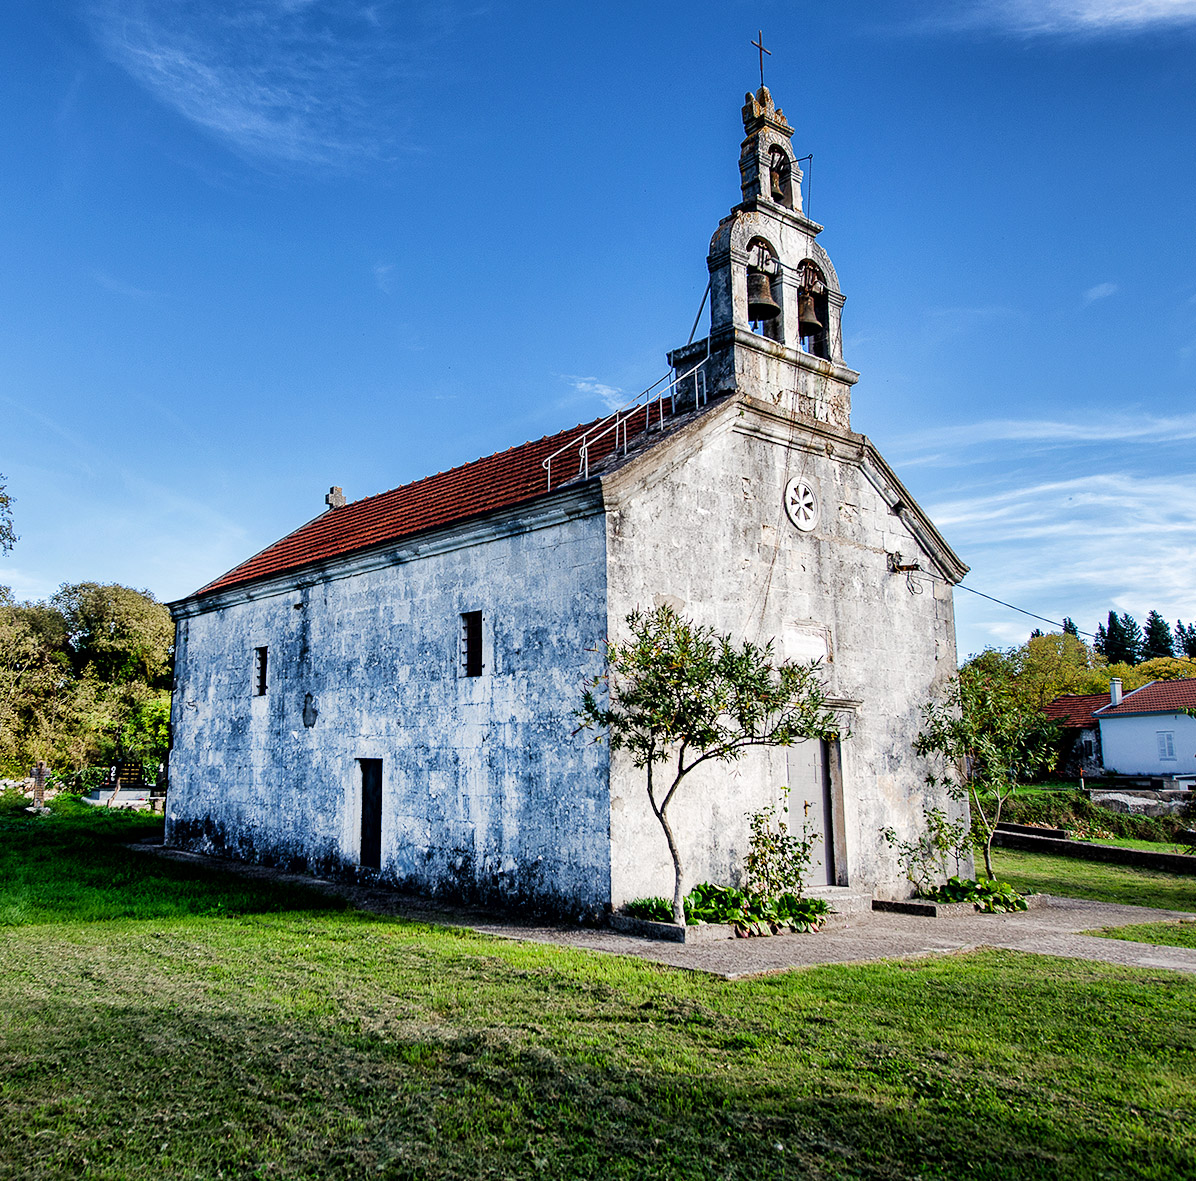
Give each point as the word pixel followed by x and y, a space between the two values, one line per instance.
pixel 678 694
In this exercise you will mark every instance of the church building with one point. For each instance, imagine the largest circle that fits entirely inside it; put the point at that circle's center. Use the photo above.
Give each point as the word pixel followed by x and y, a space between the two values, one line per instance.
pixel 390 690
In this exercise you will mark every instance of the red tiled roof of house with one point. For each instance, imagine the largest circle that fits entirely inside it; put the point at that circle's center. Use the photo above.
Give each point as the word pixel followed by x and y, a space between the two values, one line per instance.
pixel 474 489
pixel 1157 697
pixel 1075 709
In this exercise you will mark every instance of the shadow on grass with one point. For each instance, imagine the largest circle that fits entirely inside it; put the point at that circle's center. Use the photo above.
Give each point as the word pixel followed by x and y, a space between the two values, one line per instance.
pixel 73 866
pixel 128 1091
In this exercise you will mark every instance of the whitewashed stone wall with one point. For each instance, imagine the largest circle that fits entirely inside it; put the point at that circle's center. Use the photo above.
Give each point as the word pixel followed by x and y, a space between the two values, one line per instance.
pixel 487 793
pixel 703 527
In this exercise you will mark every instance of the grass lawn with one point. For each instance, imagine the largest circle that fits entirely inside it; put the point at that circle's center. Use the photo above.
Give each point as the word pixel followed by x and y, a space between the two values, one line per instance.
pixel 1181 934
pixel 161 1020
pixel 1074 878
pixel 1149 846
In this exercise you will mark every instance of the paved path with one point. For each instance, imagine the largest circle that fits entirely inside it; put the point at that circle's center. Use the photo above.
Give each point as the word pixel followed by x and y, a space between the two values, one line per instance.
pixel 1053 929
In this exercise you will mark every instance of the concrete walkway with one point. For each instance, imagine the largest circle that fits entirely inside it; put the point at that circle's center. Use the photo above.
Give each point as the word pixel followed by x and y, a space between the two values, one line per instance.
pixel 1053 929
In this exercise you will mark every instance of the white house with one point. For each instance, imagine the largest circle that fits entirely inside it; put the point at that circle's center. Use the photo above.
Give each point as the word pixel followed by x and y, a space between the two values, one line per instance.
pixel 1151 731
pixel 390 689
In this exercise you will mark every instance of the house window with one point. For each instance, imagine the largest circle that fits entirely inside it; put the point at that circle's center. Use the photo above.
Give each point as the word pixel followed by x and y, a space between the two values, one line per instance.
pixel 1088 751
pixel 1166 739
pixel 259 672
pixel 471 643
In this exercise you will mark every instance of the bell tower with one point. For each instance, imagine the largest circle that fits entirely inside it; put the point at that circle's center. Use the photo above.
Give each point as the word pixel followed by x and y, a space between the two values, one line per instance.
pixel 775 304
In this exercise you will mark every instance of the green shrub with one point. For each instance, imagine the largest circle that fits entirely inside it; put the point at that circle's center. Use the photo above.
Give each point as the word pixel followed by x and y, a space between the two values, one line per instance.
pixel 992 897
pixel 654 910
pixel 748 913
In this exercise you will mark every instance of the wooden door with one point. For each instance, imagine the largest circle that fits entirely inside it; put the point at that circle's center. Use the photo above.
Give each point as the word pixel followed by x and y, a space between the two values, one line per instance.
pixel 810 800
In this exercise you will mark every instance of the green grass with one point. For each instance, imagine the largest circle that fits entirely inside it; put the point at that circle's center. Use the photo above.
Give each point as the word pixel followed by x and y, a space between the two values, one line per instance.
pixel 1180 934
pixel 207 1030
pixel 1072 877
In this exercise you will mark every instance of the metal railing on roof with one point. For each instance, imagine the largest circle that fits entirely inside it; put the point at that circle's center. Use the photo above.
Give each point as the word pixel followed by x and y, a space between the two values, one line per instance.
pixel 651 405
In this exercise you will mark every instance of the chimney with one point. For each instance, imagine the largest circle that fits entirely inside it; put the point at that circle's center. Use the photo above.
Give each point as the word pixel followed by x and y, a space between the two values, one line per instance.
pixel 335 498
pixel 1115 691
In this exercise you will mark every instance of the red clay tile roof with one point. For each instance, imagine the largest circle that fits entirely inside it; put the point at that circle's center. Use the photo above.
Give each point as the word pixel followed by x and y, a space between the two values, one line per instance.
pixel 472 490
pixel 1157 697
pixel 1075 709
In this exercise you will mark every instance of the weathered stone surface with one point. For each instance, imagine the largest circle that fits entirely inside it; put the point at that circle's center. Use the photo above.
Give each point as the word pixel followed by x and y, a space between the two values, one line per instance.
pixel 488 793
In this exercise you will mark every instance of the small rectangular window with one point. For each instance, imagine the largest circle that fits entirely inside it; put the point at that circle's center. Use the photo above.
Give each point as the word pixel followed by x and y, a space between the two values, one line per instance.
pixel 471 643
pixel 1166 744
pixel 259 672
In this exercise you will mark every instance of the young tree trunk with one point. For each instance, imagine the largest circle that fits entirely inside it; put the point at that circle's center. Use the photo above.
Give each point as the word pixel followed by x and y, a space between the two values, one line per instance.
pixel 678 880
pixel 674 852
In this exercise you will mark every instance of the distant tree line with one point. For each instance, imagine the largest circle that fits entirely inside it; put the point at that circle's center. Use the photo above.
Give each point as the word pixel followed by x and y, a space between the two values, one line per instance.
pixel 1122 641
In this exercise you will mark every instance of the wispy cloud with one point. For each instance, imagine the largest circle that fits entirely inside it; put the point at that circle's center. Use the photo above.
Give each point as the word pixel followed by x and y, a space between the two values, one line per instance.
pixel 1055 17
pixel 1100 291
pixel 1076 547
pixel 1138 428
pixel 312 82
pixel 612 396
pixel 118 287
pixel 382 277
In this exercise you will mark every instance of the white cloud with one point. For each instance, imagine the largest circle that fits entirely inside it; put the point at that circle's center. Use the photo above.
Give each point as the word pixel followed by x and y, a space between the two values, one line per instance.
pixel 312 82
pixel 1100 291
pixel 1076 16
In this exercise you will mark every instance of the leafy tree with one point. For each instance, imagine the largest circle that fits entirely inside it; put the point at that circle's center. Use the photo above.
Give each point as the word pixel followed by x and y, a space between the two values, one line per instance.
pixel 83 675
pixel 679 693
pixel 1069 627
pixel 984 740
pixel 7 537
pixel 1036 633
pixel 116 633
pixel 1041 669
pixel 1157 639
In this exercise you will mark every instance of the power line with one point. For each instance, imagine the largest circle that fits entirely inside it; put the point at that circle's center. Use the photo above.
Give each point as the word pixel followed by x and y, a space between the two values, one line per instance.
pixel 1044 619
pixel 1022 610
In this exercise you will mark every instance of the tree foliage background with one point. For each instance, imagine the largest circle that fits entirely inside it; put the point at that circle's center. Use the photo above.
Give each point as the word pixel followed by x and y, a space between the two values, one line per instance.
pixel 83 676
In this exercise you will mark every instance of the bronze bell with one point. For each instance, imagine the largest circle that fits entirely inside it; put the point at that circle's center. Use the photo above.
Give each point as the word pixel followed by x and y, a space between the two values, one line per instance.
pixel 807 318
pixel 761 305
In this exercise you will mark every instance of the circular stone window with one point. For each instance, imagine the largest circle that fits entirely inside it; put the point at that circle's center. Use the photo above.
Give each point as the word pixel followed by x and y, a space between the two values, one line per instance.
pixel 801 503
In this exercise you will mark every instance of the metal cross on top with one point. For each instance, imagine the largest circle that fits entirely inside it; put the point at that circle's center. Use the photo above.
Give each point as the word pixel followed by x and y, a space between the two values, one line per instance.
pixel 760 46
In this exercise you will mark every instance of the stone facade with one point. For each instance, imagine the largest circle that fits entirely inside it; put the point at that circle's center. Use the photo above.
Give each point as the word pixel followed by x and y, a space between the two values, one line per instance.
pixel 750 505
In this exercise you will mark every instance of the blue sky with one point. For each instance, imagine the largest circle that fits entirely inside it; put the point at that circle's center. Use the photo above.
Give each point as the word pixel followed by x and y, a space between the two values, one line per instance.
pixel 254 250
